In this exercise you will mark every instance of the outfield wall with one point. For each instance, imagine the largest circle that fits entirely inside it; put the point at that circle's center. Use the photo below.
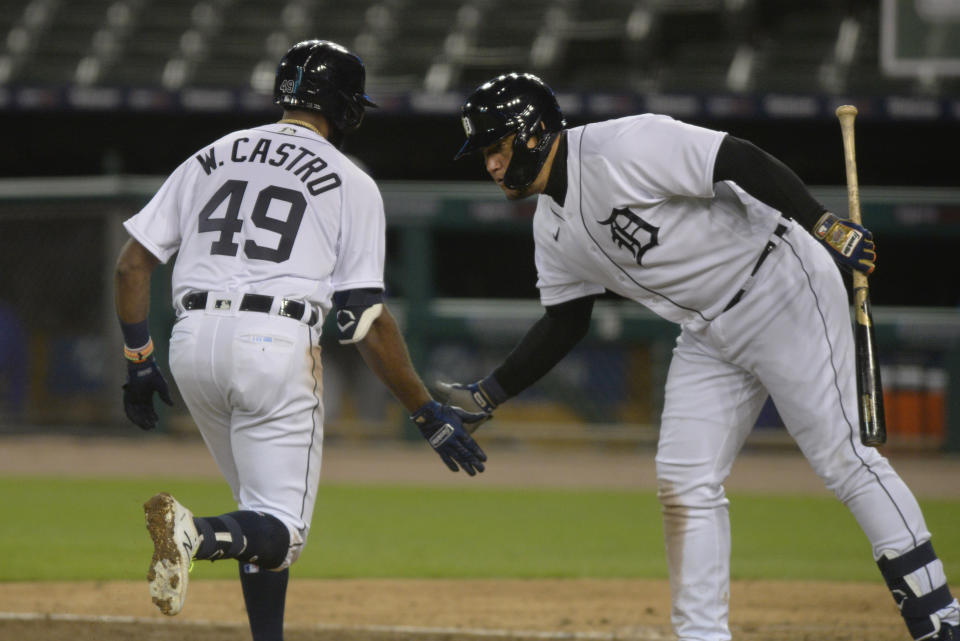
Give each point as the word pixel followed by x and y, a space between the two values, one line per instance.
pixel 461 280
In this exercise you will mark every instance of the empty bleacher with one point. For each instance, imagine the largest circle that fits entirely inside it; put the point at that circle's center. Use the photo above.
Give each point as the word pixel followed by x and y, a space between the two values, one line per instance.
pixel 707 46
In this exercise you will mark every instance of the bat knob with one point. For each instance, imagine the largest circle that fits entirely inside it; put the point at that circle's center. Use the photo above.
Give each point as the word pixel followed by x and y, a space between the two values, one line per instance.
pixel 846 110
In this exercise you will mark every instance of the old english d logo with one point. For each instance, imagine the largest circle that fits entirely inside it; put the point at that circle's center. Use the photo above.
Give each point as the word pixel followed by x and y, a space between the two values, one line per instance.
pixel 631 232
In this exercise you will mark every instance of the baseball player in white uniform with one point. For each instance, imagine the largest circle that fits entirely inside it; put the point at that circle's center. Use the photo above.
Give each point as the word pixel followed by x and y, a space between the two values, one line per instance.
pixel 714 234
pixel 274 227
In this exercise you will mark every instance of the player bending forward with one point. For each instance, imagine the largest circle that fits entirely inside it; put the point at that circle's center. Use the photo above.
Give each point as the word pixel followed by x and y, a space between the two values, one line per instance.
pixel 712 233
pixel 274 226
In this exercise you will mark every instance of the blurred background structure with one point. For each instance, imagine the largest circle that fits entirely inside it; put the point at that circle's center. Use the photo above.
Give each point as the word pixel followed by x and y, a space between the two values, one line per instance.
pixel 100 99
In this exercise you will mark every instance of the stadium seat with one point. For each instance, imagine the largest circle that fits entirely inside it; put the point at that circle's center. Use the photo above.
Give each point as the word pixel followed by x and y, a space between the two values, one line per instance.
pixel 645 46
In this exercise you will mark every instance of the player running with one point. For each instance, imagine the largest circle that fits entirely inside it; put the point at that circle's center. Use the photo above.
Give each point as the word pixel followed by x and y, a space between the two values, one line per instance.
pixel 274 226
pixel 714 234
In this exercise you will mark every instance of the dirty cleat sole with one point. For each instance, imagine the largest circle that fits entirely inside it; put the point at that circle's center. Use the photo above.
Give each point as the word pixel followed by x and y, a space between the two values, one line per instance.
pixel 175 540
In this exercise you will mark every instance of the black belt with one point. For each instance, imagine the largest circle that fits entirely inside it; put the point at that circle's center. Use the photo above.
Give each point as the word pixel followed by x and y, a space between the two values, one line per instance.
pixel 769 247
pixel 294 309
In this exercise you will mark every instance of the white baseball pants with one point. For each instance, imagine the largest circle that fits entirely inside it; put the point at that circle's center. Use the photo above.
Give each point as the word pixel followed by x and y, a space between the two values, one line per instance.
pixel 790 336
pixel 252 383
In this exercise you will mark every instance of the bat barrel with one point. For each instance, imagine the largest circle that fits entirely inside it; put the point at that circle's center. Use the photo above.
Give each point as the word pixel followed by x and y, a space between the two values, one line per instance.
pixel 847 114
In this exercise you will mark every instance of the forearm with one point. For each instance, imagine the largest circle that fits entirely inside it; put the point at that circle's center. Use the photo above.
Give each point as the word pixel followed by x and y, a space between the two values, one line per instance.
pixel 773 183
pixel 766 179
pixel 134 267
pixel 385 353
pixel 545 344
pixel 132 282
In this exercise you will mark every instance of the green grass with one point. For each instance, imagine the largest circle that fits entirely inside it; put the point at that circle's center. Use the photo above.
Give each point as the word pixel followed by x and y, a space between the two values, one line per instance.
pixel 91 529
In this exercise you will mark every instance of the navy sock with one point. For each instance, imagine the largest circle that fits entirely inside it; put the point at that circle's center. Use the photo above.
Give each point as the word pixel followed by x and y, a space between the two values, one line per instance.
pixel 265 595
pixel 250 537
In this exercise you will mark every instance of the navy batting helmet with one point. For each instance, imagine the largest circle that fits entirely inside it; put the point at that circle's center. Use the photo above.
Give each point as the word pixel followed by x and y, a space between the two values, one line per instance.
pixel 513 103
pixel 322 76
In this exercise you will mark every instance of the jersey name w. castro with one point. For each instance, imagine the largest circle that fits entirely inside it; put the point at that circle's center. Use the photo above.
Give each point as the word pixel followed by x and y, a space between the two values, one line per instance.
pixel 273 210
pixel 643 218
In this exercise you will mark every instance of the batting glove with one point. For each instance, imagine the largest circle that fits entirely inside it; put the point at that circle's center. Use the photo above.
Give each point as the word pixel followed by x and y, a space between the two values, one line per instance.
pixel 850 244
pixel 442 426
pixel 481 397
pixel 143 379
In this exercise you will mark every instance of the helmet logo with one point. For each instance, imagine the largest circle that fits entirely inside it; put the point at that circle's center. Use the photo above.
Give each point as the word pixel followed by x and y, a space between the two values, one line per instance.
pixel 467 127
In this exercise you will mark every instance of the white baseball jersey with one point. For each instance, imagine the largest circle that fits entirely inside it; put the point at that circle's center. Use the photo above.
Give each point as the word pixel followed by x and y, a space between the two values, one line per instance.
pixel 643 218
pixel 278 211
pixel 273 210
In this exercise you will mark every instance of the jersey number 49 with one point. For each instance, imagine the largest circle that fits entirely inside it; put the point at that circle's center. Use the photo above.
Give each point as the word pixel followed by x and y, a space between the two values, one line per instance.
pixel 232 192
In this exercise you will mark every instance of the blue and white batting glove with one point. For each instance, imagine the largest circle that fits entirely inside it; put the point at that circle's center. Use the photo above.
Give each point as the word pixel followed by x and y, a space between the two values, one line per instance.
pixel 482 397
pixel 850 244
pixel 442 426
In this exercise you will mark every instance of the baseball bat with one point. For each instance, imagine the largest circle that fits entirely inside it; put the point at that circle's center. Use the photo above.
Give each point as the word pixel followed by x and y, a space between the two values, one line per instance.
pixel 873 427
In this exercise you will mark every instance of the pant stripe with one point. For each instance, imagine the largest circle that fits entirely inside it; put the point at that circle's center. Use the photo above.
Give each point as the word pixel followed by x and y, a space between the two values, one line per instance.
pixel 852 430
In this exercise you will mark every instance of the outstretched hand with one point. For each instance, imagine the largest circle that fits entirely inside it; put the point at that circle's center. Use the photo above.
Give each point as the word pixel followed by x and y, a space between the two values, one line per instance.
pixel 443 427
pixel 143 379
pixel 469 396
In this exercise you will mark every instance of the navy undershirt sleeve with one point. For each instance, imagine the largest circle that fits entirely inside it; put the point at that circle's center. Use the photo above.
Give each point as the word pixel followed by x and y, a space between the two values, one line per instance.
pixel 766 179
pixel 545 344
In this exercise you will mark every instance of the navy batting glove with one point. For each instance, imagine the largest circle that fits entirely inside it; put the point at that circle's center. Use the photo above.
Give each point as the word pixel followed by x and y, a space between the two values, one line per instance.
pixel 143 379
pixel 442 426
pixel 483 397
pixel 850 244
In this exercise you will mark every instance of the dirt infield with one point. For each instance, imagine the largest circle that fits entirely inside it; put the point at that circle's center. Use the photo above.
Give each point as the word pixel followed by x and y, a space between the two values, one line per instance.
pixel 511 610
pixel 434 610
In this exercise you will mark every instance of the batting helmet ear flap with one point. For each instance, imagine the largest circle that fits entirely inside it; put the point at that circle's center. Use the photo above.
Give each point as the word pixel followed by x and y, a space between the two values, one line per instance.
pixel 526 163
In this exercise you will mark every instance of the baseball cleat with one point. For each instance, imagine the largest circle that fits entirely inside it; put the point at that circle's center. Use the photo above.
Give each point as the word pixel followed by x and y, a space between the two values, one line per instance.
pixel 175 540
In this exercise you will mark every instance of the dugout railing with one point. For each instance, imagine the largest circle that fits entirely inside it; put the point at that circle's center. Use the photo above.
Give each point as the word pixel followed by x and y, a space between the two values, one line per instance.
pixel 60 366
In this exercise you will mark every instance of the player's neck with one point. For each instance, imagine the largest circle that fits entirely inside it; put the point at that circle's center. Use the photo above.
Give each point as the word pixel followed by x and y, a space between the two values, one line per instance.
pixel 556 166
pixel 540 184
pixel 315 123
